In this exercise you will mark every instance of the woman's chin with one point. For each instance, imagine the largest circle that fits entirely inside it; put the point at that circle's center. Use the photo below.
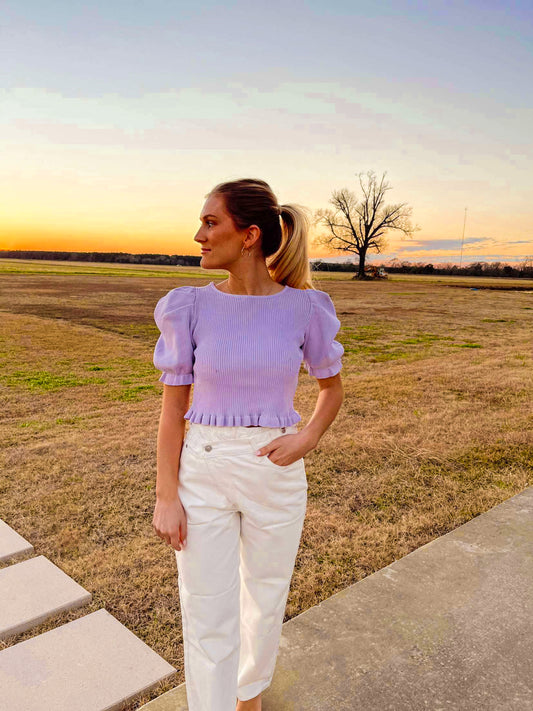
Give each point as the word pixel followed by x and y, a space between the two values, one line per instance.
pixel 207 262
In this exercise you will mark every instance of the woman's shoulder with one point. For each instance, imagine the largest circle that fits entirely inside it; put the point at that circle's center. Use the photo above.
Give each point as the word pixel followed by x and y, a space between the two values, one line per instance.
pixel 320 299
pixel 175 299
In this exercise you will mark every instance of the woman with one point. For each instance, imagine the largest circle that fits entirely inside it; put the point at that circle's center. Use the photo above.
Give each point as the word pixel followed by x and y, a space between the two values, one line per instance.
pixel 232 492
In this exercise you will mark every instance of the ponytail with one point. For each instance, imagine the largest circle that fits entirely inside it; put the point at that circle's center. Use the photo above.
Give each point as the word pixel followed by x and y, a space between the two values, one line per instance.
pixel 290 264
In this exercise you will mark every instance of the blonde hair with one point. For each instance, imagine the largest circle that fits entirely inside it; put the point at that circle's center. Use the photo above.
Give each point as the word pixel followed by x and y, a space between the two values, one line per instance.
pixel 284 236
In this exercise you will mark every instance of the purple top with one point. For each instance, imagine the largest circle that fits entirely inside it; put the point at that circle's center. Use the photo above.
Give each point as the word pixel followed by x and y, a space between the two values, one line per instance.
pixel 243 352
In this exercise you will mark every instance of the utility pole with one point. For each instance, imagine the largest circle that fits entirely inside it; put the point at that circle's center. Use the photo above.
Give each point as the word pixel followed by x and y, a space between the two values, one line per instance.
pixel 462 240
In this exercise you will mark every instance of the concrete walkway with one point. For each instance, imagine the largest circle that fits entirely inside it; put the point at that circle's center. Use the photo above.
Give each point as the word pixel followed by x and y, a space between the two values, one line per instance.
pixel 447 627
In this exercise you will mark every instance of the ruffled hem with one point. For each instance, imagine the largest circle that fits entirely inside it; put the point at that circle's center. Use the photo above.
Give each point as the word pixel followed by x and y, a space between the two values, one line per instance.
pixel 242 420
pixel 177 378
pixel 325 372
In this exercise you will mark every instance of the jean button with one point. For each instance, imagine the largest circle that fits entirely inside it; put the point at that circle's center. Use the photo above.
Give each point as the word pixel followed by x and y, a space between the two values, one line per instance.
pixel 283 429
pixel 208 448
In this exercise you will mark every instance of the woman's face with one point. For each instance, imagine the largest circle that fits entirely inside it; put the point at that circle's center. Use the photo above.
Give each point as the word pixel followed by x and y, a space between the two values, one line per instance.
pixel 218 236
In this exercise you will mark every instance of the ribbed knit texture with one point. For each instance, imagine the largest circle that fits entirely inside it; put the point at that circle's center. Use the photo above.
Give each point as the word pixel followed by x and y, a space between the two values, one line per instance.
pixel 243 353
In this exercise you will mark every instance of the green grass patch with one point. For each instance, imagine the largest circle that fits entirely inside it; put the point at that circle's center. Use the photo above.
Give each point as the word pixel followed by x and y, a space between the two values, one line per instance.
pixel 30 423
pixel 135 368
pixel 45 381
pixel 134 393
pixel 127 379
pixel 69 420
pixel 373 343
pixel 129 368
pixel 369 332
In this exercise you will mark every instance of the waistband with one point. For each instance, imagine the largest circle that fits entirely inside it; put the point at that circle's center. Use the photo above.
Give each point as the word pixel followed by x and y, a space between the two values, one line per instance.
pixel 210 439
pixel 214 432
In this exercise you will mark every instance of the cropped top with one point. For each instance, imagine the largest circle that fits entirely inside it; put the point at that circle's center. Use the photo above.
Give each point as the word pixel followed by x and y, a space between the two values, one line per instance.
pixel 243 352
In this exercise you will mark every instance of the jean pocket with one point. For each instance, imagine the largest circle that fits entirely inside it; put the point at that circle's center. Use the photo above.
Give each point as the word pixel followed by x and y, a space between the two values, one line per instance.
pixel 261 441
pixel 283 467
pixel 291 477
pixel 296 465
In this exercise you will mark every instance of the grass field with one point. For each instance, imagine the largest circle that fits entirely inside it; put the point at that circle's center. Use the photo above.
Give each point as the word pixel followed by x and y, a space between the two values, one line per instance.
pixel 436 427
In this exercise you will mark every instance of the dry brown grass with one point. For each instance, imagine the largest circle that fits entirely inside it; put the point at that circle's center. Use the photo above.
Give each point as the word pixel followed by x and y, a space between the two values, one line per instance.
pixel 436 427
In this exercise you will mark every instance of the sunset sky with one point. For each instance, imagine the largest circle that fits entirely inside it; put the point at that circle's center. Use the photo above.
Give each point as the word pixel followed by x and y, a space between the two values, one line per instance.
pixel 118 117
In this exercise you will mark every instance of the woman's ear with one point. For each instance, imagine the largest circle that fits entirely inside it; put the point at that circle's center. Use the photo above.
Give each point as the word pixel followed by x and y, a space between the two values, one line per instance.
pixel 254 233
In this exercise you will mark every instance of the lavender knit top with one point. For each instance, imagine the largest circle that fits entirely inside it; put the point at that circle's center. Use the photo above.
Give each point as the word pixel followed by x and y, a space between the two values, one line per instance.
pixel 243 352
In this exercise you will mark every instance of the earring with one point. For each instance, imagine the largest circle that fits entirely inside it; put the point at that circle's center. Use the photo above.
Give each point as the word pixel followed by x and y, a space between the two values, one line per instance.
pixel 247 252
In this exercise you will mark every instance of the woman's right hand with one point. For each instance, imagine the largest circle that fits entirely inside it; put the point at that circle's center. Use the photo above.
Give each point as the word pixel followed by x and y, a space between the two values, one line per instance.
pixel 170 522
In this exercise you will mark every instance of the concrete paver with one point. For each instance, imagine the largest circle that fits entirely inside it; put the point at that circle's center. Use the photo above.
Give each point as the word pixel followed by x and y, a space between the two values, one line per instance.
pixel 12 544
pixel 447 627
pixel 32 591
pixel 93 663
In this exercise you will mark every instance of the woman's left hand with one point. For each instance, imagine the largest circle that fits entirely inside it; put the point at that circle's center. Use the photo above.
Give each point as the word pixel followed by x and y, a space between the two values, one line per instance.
pixel 286 449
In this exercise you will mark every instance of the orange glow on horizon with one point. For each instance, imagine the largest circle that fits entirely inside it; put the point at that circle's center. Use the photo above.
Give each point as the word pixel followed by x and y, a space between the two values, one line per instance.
pixel 113 241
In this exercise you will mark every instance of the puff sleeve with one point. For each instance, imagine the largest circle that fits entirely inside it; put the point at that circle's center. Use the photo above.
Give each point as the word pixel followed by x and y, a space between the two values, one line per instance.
pixel 174 350
pixel 322 353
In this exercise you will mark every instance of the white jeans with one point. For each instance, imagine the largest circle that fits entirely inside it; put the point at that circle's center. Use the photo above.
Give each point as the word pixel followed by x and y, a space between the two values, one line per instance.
pixel 244 521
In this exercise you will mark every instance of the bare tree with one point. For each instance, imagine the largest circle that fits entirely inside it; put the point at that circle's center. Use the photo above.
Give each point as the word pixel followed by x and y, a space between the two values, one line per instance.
pixel 360 225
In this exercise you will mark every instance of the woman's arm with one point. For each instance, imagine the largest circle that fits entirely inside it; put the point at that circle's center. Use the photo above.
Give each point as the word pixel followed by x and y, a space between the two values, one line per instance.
pixel 169 520
pixel 327 406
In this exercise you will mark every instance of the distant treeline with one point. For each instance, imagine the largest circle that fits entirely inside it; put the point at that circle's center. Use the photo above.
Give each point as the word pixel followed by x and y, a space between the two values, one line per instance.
pixel 493 269
pixel 110 257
